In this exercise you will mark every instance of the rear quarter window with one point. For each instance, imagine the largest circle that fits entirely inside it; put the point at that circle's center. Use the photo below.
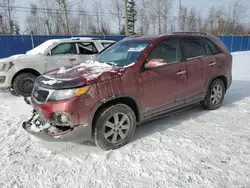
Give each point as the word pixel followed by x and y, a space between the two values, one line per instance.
pixel 210 47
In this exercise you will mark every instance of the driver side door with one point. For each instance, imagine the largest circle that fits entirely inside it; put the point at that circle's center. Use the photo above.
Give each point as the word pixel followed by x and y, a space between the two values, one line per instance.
pixel 64 54
pixel 164 87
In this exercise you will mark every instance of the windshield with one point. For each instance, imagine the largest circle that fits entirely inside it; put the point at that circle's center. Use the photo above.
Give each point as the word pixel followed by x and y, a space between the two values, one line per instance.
pixel 123 53
pixel 41 48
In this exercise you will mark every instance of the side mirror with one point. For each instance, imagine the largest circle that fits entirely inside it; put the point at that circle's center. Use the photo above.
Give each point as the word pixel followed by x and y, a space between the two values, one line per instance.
pixel 155 63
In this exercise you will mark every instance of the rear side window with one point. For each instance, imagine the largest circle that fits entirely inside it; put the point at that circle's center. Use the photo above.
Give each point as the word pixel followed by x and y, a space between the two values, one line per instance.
pixel 169 50
pixel 87 48
pixel 106 44
pixel 194 48
pixel 210 47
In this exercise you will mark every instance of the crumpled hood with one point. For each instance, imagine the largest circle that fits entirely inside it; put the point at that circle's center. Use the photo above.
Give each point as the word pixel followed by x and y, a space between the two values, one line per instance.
pixel 82 74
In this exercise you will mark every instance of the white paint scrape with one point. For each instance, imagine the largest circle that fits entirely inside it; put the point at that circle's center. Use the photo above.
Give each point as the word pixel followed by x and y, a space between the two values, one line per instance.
pixel 195 148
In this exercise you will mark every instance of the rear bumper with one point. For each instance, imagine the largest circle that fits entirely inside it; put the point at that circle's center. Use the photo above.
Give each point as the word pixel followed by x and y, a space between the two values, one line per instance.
pixel 41 129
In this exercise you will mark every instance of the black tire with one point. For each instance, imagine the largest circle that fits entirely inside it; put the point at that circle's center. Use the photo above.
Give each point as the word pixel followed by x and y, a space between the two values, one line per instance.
pixel 214 100
pixel 107 115
pixel 23 84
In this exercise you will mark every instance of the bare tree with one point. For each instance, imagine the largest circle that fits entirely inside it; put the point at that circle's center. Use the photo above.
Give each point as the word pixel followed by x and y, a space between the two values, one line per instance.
pixel 62 4
pixel 191 20
pixel 167 6
pixel 8 23
pixel 184 15
pixel 143 17
pixel 116 8
pixel 161 10
pixel 82 19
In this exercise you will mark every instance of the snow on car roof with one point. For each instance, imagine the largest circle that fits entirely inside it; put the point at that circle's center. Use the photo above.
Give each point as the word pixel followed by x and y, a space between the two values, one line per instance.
pixel 42 47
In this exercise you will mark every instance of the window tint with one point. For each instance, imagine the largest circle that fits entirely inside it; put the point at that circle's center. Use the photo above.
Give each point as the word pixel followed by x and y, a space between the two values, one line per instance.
pixel 87 48
pixel 64 48
pixel 194 48
pixel 168 50
pixel 210 47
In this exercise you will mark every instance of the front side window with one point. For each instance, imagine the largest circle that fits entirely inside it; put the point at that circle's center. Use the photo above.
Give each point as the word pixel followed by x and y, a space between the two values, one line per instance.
pixel 123 53
pixel 169 50
pixel 194 48
pixel 87 48
pixel 64 48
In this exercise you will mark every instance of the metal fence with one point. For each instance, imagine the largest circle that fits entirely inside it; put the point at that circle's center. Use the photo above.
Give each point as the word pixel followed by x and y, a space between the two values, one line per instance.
pixel 19 44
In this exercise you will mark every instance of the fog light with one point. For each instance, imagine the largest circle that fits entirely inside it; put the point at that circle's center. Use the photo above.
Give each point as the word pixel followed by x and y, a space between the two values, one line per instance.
pixel 61 118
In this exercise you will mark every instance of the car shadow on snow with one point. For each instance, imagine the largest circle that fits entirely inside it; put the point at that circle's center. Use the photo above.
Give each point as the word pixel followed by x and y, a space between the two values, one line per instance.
pixel 239 90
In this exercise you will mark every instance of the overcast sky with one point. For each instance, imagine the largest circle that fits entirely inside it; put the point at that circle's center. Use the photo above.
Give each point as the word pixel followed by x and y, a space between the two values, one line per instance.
pixel 201 5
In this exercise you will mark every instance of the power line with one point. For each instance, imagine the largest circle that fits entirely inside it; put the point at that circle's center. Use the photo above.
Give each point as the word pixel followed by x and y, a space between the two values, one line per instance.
pixel 75 12
pixel 75 3
pixel 53 9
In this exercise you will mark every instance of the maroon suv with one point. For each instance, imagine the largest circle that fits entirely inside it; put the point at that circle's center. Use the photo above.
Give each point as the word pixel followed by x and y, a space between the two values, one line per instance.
pixel 130 82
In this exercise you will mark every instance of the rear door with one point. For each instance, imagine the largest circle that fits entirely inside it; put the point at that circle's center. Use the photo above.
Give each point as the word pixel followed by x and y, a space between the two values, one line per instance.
pixel 215 56
pixel 197 71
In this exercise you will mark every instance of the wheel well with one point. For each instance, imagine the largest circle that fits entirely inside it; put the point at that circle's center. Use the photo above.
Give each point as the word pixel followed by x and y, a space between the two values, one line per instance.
pixel 124 100
pixel 25 71
pixel 224 79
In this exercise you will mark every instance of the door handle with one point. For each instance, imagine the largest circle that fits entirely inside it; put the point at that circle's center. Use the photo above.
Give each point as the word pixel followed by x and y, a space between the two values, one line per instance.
pixel 181 72
pixel 72 59
pixel 212 63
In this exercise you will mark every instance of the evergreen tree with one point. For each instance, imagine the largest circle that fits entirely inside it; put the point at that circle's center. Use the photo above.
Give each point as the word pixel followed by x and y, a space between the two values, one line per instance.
pixel 132 13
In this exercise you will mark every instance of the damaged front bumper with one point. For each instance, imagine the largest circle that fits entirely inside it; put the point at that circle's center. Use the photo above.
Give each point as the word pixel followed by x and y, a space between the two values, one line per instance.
pixel 47 131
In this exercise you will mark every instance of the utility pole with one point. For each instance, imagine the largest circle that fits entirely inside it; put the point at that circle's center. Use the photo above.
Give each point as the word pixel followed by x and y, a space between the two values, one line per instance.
pixel 63 4
pixel 126 16
pixel 180 15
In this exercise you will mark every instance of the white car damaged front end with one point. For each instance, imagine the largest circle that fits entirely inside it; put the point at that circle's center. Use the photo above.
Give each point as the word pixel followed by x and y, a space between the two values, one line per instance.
pixel 7 71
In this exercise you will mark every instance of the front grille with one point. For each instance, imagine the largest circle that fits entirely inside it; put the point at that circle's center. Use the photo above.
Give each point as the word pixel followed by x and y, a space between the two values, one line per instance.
pixel 40 95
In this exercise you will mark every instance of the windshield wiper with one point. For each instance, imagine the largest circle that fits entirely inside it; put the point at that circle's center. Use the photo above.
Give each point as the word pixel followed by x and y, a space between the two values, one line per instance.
pixel 111 63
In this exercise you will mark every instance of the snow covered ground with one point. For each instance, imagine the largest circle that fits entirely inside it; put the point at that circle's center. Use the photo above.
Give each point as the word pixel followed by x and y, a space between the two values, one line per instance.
pixel 195 148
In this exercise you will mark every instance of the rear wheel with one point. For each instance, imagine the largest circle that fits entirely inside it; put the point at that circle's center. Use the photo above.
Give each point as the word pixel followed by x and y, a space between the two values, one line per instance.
pixel 23 84
pixel 215 95
pixel 114 127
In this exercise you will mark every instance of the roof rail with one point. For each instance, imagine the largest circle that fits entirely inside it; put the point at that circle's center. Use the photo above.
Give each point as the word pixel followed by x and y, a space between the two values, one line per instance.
pixel 131 36
pixel 86 38
pixel 192 32
pixel 164 34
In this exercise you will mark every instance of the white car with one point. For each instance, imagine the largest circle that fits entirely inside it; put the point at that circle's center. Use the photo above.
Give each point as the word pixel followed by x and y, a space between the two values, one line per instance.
pixel 20 71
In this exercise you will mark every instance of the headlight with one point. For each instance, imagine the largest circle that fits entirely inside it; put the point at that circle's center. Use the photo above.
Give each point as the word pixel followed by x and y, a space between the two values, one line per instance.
pixel 6 66
pixel 67 93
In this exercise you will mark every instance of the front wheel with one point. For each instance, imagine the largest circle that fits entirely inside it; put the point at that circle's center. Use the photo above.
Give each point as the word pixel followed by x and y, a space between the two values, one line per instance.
pixel 215 95
pixel 23 84
pixel 114 127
